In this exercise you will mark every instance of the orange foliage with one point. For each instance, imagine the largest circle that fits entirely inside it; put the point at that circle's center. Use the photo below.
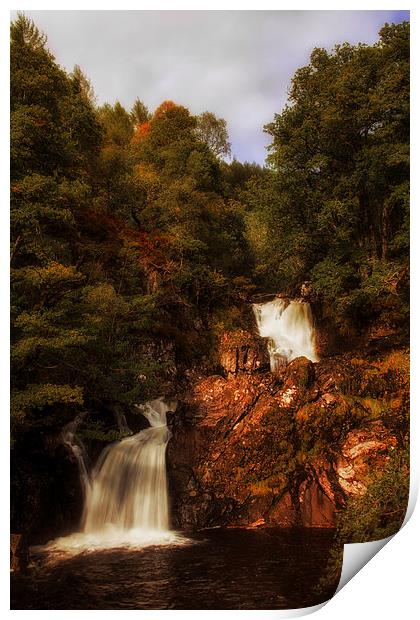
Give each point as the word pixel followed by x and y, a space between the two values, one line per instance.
pixel 164 107
pixel 141 132
pixel 151 248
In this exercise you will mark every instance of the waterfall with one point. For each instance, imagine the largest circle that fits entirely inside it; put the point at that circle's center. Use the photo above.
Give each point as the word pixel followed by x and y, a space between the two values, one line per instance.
pixel 129 486
pixel 126 502
pixel 289 327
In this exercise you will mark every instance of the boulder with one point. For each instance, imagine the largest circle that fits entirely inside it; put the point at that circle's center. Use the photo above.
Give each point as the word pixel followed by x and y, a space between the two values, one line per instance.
pixel 300 373
pixel 316 508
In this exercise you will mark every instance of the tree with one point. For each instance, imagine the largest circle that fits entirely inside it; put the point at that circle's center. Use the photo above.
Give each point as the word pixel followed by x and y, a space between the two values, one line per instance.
pixel 139 113
pixel 337 205
pixel 117 123
pixel 70 262
pixel 24 32
pixel 83 84
pixel 213 132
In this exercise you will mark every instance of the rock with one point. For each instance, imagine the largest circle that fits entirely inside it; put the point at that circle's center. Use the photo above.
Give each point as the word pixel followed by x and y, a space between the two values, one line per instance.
pixel 363 450
pixel 306 289
pixel 19 554
pixel 283 512
pixel 288 449
pixel 316 508
pixel 240 351
pixel 257 523
pixel 301 373
pixel 215 398
pixel 329 399
pixel 297 383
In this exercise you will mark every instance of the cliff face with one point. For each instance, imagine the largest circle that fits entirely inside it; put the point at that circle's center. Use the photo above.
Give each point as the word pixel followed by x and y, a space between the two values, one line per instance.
pixel 251 448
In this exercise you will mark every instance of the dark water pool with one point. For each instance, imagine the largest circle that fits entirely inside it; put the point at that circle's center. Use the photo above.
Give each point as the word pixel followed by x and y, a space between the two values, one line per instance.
pixel 222 569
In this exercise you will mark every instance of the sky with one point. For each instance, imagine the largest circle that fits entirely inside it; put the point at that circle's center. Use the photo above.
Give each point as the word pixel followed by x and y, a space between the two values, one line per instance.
pixel 237 64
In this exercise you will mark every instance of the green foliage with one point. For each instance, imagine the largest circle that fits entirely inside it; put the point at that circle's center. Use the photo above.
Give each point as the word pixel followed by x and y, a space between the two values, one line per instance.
pixel 321 430
pixel 379 513
pixel 335 208
pixel 139 113
pixel 213 132
pixel 97 432
pixel 40 396
pixel 117 123
pixel 123 240
pixel 80 313
pixel 24 32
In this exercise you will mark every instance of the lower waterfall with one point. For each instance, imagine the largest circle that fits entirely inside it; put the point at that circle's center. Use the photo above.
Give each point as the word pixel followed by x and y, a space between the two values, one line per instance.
pixel 129 489
pixel 127 500
pixel 289 327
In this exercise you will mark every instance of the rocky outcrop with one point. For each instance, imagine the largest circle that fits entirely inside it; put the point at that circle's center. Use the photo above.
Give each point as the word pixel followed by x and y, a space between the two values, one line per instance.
pixel 364 450
pixel 252 449
pixel 240 351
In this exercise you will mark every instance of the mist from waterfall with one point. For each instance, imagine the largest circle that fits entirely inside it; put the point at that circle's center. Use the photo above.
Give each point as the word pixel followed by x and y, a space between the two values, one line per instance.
pixel 289 327
pixel 126 502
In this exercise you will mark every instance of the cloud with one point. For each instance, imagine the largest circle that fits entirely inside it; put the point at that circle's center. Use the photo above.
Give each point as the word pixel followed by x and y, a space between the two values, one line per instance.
pixel 237 64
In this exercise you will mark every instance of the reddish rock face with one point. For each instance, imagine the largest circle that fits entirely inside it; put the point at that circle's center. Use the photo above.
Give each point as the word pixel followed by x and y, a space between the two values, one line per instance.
pixel 253 449
pixel 316 508
pixel 363 450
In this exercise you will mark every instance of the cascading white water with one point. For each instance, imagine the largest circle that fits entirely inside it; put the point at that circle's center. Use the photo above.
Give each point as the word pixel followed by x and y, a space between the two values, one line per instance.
pixel 289 327
pixel 129 486
pixel 127 499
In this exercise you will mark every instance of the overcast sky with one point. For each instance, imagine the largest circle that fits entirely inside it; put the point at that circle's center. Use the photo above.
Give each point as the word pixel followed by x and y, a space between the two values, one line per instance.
pixel 237 64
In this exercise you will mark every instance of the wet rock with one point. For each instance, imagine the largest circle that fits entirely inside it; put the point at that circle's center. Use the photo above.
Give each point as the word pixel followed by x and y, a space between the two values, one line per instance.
pixel 283 512
pixel 306 289
pixel 215 398
pixel 329 399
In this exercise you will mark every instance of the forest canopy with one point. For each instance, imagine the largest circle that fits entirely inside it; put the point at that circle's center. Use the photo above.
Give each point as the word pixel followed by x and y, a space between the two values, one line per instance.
pixel 131 230
pixel 334 208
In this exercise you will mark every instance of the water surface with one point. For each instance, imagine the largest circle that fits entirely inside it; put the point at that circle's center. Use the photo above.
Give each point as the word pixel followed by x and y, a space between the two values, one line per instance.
pixel 222 568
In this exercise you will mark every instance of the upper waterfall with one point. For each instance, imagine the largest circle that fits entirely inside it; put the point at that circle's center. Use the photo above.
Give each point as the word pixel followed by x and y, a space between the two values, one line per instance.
pixel 289 327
